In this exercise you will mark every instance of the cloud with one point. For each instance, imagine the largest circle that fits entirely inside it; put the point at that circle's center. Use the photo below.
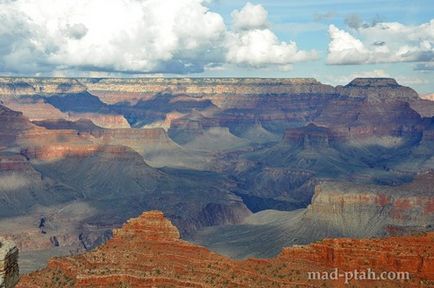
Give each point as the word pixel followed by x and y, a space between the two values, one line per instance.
pixel 353 21
pixel 253 44
pixel 382 43
pixel 345 49
pixel 425 67
pixel 250 17
pixel 132 36
pixel 345 79
pixel 324 16
pixel 76 31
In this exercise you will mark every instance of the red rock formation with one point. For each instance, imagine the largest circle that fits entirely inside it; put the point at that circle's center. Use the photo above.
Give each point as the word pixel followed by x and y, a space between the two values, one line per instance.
pixel 147 252
pixel 412 254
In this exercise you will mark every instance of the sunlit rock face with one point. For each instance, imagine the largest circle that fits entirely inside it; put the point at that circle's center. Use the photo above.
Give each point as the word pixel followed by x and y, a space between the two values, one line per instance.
pixel 9 272
pixel 147 252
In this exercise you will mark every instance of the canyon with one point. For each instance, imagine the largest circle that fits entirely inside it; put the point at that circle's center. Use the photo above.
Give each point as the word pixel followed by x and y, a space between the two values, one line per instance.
pixel 147 252
pixel 228 160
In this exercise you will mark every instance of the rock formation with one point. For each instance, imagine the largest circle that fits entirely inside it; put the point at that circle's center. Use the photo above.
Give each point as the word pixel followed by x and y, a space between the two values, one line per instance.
pixel 308 136
pixel 428 96
pixel 34 86
pixel 351 210
pixel 338 209
pixel 209 152
pixel 377 89
pixel 9 272
pixel 147 252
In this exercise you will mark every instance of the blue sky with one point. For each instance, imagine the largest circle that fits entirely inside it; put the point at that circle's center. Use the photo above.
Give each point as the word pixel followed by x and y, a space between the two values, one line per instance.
pixel 331 40
pixel 301 21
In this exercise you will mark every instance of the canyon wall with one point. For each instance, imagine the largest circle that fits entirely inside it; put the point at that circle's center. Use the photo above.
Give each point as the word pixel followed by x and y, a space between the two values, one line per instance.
pixel 227 102
pixel 147 252
pixel 351 210
pixel 9 272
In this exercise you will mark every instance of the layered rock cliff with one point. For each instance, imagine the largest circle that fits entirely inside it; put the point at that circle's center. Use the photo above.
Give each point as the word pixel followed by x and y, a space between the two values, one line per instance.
pixel 308 136
pixel 351 210
pixel 338 209
pixel 13 123
pixel 9 271
pixel 33 86
pixel 377 89
pixel 147 252
pixel 410 254
pixel 234 103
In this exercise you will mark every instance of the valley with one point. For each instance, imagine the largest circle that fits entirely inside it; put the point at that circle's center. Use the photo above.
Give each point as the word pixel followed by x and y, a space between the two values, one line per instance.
pixel 228 160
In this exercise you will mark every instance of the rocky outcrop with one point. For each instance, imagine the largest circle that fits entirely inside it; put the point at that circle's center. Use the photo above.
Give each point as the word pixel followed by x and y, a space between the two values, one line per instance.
pixel 361 118
pixel 13 123
pixel 424 107
pixel 411 254
pixel 9 272
pixel 309 136
pixel 35 110
pixel 143 141
pixel 39 110
pixel 147 252
pixel 351 210
pixel 376 89
pixel 110 121
pixel 151 226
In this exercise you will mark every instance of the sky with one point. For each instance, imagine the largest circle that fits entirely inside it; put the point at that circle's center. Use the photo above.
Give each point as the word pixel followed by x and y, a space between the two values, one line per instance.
pixel 333 41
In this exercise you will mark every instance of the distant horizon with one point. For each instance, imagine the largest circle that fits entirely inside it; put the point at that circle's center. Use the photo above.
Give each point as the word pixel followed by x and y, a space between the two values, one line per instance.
pixel 207 77
pixel 332 41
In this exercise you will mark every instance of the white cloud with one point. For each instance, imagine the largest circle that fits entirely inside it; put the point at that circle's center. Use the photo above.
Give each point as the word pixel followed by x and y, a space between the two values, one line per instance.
pixel 261 47
pixel 382 43
pixel 253 44
pixel 345 49
pixel 133 36
pixel 345 79
pixel 250 17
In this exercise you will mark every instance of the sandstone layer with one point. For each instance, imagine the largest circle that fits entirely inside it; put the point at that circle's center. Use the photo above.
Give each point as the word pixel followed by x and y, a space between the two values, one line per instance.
pixel 147 252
